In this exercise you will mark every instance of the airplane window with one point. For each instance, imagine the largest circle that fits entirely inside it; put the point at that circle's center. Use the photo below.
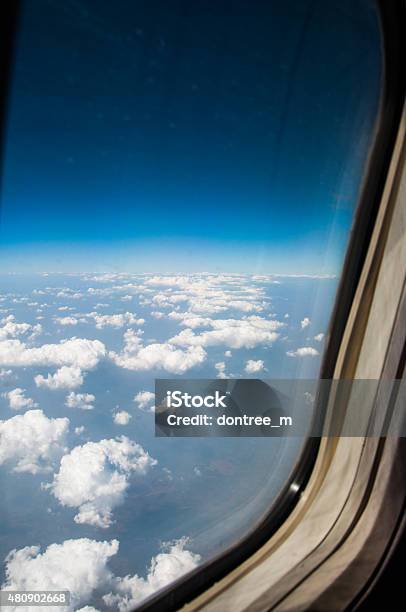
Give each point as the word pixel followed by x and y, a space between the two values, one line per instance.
pixel 179 183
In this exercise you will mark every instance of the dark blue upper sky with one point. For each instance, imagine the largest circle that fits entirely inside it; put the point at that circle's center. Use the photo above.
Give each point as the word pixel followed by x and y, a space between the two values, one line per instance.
pixel 188 134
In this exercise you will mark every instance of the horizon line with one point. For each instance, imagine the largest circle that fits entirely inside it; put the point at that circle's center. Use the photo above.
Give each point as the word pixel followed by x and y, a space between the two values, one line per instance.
pixel 177 273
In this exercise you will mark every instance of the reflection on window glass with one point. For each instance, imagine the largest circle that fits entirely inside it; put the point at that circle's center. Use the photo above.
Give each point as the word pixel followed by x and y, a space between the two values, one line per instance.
pixel 180 179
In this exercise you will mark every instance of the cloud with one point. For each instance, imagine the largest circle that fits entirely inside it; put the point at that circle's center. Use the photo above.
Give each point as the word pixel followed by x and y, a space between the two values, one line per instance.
pixel 220 367
pixel 94 478
pixel 157 314
pixel 144 399
pixel 262 278
pixel 69 293
pixel 227 354
pixel 304 351
pixel 315 276
pixel 5 374
pixel 305 323
pixel 67 377
pixel 208 293
pixel 79 352
pixel 17 399
pixel 122 417
pixel 167 281
pixel 252 367
pixel 115 320
pixel 165 356
pixel 213 305
pixel 106 277
pixel 80 566
pixel 31 442
pixel 191 320
pixel 67 320
pixel 319 337
pixel 82 401
pixel 165 568
pixel 167 300
pixel 10 329
pixel 235 333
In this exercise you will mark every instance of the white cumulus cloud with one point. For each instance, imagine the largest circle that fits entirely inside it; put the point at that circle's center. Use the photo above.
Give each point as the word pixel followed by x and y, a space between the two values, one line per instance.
pixel 157 314
pixel 164 356
pixel 122 417
pixel 208 293
pixel 82 401
pixel 252 367
pixel 221 369
pixel 17 399
pixel 94 477
pixel 67 377
pixel 5 374
pixel 167 566
pixel 305 323
pixel 145 399
pixel 115 320
pixel 10 329
pixel 234 333
pixel 80 566
pixel 31 442
pixel 79 352
pixel 304 351
pixel 67 320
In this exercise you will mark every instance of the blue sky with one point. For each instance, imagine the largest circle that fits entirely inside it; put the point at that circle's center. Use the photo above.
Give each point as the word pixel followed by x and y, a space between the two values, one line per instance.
pixel 147 136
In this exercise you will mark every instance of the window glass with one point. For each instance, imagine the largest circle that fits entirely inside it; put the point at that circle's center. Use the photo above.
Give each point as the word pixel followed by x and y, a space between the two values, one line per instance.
pixel 179 183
